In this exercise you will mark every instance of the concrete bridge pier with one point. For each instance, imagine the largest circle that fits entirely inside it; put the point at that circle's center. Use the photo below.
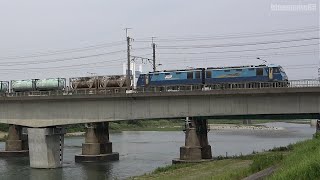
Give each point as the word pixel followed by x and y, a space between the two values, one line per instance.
pixel 15 144
pixel 318 126
pixel 46 147
pixel 197 148
pixel 97 147
pixel 246 121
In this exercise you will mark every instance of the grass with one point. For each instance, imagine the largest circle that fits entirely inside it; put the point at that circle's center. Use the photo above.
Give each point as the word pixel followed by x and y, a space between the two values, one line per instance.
pixel 233 168
pixel 224 169
pixel 297 161
pixel 303 162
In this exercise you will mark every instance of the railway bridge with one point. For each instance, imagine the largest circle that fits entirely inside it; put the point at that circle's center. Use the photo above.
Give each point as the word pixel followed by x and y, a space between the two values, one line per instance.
pixel 44 116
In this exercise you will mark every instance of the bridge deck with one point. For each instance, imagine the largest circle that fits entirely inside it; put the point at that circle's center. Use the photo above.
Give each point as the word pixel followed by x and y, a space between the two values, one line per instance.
pixel 43 111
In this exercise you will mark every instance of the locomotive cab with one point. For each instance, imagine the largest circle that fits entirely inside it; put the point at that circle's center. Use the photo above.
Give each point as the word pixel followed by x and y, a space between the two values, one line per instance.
pixel 143 80
pixel 276 73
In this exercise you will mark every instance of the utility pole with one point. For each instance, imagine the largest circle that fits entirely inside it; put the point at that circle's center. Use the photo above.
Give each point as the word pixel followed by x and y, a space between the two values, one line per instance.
pixel 128 60
pixel 154 55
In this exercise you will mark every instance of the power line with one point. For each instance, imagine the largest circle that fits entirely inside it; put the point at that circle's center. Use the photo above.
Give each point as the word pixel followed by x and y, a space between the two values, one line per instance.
pixel 71 68
pixel 238 44
pixel 57 60
pixel 50 53
pixel 234 36
pixel 57 67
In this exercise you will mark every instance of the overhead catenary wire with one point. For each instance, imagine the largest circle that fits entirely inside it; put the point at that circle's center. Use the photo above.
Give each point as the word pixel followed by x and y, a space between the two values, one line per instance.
pixel 237 44
pixel 245 50
pixel 239 57
pixel 206 61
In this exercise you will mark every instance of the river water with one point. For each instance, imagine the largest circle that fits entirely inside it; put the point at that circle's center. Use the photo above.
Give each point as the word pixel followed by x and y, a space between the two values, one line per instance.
pixel 142 152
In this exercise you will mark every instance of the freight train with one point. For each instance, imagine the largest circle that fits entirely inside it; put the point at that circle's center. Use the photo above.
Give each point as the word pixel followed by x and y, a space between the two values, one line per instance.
pixel 216 77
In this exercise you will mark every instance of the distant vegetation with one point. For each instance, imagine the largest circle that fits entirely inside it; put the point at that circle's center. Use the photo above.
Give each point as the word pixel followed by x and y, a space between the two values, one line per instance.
pixel 136 125
pixel 4 127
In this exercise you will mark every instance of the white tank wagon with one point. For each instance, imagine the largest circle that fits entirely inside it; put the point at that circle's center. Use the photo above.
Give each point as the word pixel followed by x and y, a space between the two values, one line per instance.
pixel 4 86
pixel 51 84
pixel 23 85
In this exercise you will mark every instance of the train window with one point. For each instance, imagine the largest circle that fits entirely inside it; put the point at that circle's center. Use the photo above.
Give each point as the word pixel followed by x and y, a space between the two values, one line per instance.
pixel 276 70
pixel 166 73
pixel 238 69
pixel 259 72
pixel 156 74
pixel 251 69
pixel 208 74
pixel 198 75
pixel 178 72
pixel 190 75
pixel 226 70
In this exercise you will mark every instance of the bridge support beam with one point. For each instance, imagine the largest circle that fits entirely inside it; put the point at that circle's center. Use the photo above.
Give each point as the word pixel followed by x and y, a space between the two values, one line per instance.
pixel 197 148
pixel 15 146
pixel 97 147
pixel 46 147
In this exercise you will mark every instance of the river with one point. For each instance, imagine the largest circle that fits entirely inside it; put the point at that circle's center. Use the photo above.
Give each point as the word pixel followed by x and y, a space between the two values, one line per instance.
pixel 142 152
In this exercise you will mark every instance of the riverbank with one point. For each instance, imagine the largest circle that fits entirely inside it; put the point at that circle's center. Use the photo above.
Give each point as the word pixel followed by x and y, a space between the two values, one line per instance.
pixel 298 161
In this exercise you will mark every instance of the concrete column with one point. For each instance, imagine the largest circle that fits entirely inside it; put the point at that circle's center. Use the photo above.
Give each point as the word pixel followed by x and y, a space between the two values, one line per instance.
pixel 91 145
pixel 15 146
pixel 46 147
pixel 97 146
pixel 313 122
pixel 192 148
pixel 196 147
pixel 14 142
pixel 206 152
pixel 103 138
pixel 318 126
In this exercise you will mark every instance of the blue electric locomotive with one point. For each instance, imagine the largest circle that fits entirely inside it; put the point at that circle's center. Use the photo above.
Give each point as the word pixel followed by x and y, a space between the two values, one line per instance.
pixel 261 73
pixel 172 78
pixel 210 76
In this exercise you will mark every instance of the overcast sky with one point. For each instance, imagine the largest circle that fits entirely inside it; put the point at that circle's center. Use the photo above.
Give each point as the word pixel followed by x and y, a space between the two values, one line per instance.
pixel 38 27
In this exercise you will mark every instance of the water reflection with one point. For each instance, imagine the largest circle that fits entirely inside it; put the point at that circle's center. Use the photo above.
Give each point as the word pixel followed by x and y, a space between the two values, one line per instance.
pixel 96 170
pixel 48 174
